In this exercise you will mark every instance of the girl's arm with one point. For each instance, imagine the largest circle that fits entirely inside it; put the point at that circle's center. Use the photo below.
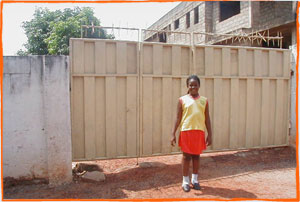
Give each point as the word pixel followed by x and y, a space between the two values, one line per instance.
pixel 207 124
pixel 177 122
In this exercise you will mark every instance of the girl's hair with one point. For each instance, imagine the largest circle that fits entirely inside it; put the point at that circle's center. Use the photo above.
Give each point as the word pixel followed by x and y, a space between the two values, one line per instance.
pixel 195 77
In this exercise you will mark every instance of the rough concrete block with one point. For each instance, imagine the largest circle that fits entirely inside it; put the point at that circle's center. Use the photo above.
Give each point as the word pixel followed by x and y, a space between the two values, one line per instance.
pixel 94 176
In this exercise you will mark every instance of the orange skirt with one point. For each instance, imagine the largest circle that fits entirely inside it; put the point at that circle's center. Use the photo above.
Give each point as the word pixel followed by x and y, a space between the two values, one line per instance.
pixel 192 141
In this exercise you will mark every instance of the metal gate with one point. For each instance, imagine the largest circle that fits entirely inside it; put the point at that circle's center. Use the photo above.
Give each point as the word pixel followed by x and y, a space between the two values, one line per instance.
pixel 104 99
pixel 124 96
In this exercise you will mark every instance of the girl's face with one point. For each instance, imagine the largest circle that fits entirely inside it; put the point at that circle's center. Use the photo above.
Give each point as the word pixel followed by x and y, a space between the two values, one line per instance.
pixel 193 87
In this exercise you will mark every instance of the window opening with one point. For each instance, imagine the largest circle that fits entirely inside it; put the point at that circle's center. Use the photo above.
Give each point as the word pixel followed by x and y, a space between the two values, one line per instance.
pixel 188 20
pixel 196 15
pixel 163 37
pixel 176 24
pixel 229 9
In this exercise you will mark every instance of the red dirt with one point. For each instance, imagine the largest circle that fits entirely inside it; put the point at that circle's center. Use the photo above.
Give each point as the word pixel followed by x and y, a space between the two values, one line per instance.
pixel 253 174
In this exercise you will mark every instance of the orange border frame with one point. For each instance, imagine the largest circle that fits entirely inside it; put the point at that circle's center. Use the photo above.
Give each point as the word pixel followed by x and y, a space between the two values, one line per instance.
pixel 297 111
pixel 177 199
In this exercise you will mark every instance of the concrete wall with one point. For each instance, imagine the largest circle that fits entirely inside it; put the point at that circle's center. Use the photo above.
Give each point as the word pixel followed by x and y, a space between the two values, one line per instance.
pixel 272 14
pixel 253 16
pixel 256 15
pixel 36 118
pixel 24 142
pixel 209 20
pixel 179 12
pixel 176 13
pixel 236 22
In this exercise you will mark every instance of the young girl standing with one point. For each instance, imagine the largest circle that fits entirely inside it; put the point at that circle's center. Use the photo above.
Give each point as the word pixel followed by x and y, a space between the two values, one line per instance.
pixel 193 118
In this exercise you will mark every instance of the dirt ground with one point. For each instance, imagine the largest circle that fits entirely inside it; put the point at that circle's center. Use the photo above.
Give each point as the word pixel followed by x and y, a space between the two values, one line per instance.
pixel 253 174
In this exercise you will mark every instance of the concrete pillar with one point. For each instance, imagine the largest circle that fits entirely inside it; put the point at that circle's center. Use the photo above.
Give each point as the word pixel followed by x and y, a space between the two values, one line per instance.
pixel 293 48
pixel 292 140
pixel 57 119
pixel 208 19
pixel 254 14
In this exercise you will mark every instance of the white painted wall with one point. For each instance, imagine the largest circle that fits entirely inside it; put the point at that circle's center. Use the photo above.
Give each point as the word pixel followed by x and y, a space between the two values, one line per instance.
pixel 36 118
pixel 24 140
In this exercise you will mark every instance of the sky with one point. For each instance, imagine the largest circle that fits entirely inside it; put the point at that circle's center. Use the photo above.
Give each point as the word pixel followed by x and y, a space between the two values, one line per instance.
pixel 135 15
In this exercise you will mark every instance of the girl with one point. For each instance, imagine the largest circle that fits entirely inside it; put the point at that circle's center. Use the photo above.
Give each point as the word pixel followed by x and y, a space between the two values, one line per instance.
pixel 193 117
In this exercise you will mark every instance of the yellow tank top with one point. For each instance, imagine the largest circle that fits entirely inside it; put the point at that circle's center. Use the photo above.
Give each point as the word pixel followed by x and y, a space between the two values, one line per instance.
pixel 193 113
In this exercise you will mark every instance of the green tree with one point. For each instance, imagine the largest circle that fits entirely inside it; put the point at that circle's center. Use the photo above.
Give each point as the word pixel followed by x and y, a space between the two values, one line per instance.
pixel 49 32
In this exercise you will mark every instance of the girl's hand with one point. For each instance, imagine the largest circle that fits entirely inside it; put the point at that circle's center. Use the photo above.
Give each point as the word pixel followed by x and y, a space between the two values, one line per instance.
pixel 208 140
pixel 173 141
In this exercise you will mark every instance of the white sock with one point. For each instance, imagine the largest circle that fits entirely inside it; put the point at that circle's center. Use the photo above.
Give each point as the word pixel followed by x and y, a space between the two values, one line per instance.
pixel 186 180
pixel 194 178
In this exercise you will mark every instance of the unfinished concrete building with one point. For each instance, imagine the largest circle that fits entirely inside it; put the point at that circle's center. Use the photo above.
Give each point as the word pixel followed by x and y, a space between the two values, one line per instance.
pixel 229 17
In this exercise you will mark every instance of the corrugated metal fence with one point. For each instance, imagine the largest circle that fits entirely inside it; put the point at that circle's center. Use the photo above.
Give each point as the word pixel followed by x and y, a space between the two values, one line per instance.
pixel 124 96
